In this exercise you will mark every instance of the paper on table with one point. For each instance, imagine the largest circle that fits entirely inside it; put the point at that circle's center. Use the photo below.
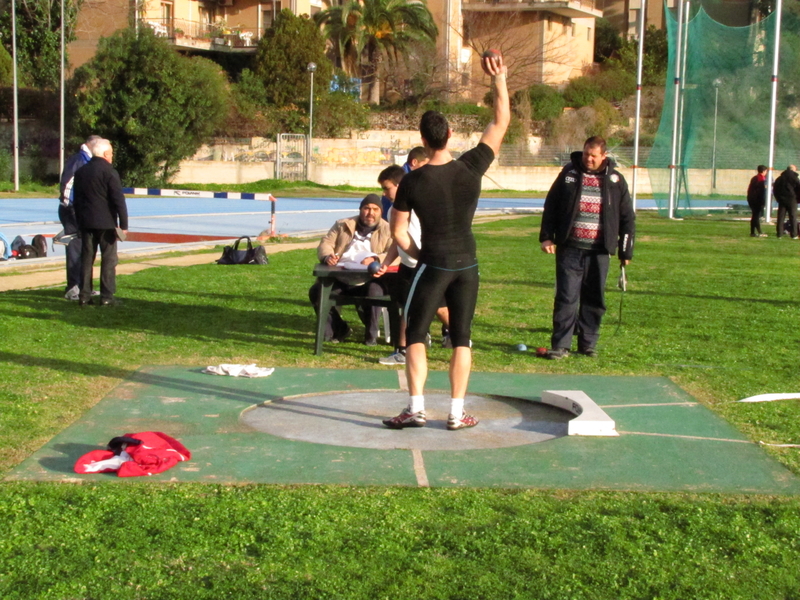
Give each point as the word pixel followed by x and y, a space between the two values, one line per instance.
pixel 352 266
pixel 355 263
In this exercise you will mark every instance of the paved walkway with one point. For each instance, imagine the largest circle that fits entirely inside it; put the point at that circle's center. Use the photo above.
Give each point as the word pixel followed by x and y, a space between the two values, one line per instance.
pixel 45 272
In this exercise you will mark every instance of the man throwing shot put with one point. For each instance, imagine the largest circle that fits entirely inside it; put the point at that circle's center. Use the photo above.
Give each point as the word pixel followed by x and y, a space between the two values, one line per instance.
pixel 588 216
pixel 444 195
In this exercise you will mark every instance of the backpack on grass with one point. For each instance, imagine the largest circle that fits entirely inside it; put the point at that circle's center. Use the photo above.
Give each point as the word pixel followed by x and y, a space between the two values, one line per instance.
pixel 40 243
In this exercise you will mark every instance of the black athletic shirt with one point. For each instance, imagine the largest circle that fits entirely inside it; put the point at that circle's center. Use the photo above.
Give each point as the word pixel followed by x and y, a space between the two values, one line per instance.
pixel 445 197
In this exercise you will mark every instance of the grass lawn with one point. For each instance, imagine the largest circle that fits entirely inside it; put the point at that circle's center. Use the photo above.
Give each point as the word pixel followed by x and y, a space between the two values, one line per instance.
pixel 707 306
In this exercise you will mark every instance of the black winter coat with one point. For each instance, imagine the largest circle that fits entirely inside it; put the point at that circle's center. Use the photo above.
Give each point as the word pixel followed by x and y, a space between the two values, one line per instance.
pixel 786 187
pixel 563 200
pixel 99 202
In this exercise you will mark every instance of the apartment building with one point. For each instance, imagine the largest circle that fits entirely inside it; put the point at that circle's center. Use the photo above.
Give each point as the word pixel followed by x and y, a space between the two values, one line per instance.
pixel 547 41
pixel 193 26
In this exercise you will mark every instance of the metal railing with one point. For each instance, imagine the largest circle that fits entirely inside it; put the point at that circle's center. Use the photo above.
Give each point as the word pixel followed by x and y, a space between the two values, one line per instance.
pixel 586 4
pixel 217 33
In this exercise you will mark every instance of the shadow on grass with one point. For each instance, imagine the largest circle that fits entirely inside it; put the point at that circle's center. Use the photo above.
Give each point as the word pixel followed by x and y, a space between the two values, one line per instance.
pixel 70 454
pixel 304 302
pixel 142 377
pixel 548 285
pixel 251 320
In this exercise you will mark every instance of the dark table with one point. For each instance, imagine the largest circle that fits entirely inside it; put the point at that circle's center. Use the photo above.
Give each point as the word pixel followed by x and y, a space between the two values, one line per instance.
pixel 328 299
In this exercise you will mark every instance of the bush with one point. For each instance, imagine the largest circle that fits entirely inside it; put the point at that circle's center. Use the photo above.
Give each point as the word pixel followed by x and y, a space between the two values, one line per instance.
pixel 581 91
pixel 612 85
pixel 607 40
pixel 6 165
pixel 156 106
pixel 574 126
pixel 547 103
pixel 337 113
pixel 282 58
pixel 654 60
pixel 6 67
pixel 615 84
pixel 249 93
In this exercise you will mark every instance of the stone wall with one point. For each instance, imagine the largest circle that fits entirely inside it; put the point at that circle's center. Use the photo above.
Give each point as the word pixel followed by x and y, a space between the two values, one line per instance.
pixel 358 160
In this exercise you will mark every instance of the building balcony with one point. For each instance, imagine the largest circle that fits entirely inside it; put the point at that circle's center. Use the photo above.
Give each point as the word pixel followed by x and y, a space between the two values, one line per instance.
pixel 212 37
pixel 573 9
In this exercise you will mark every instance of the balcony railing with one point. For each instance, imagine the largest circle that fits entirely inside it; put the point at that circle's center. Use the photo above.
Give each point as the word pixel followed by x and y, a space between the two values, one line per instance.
pixel 587 4
pixel 185 32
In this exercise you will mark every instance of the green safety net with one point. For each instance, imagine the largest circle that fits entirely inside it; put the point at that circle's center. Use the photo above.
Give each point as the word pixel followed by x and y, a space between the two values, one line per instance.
pixel 724 117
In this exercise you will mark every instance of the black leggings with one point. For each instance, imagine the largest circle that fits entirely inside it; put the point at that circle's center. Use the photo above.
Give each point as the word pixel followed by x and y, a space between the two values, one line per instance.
pixel 460 292
pixel 787 210
pixel 756 208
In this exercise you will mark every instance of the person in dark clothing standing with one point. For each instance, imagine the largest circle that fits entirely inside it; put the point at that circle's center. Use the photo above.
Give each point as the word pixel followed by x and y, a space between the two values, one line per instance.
pixel 66 214
pixel 756 200
pixel 588 216
pixel 99 208
pixel 444 195
pixel 786 190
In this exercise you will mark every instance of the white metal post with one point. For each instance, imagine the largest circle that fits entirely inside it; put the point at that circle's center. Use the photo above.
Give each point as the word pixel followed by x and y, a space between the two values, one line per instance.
pixel 717 83
pixel 675 112
pixel 642 18
pixel 681 173
pixel 773 112
pixel 61 125
pixel 16 92
pixel 311 68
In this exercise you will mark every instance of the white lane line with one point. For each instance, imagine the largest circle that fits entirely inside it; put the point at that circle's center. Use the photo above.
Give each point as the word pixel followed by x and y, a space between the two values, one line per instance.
pixel 402 380
pixel 654 404
pixel 685 437
pixel 419 468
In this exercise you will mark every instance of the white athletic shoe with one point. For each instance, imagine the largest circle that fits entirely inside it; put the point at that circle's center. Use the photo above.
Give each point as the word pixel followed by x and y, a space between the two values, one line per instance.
pixel 72 293
pixel 461 422
pixel 397 358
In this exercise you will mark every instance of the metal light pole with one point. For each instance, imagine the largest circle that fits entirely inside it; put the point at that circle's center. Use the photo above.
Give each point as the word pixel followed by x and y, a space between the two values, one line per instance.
pixel 673 166
pixel 61 106
pixel 16 92
pixel 773 111
pixel 717 83
pixel 642 18
pixel 311 68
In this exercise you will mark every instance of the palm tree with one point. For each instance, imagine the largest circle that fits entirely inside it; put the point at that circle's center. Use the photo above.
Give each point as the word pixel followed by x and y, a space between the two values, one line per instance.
pixel 364 32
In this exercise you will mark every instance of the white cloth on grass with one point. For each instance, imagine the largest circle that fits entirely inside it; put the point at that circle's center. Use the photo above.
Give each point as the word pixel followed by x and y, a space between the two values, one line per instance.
pixel 239 370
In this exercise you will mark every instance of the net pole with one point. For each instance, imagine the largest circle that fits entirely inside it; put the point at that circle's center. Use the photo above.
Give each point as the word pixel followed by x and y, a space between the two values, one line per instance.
pixel 16 92
pixel 675 111
pixel 680 166
pixel 61 99
pixel 642 12
pixel 773 112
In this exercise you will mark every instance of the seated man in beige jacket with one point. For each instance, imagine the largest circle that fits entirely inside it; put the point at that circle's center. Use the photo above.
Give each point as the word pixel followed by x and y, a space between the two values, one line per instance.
pixel 362 239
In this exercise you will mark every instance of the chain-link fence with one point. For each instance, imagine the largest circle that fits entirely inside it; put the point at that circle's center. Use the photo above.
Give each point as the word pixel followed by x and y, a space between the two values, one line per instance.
pixel 554 156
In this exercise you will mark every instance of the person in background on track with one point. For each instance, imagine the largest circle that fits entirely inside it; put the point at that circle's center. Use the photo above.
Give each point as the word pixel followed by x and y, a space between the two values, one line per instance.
pixel 66 214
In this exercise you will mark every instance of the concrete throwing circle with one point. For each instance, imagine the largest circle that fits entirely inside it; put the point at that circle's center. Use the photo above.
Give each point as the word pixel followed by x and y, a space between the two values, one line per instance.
pixel 354 419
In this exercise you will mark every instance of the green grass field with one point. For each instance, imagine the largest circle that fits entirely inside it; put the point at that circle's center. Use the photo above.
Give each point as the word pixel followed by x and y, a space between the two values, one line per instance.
pixel 707 306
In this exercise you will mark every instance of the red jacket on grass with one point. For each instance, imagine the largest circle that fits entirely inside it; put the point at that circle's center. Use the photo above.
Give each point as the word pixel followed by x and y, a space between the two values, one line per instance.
pixel 155 453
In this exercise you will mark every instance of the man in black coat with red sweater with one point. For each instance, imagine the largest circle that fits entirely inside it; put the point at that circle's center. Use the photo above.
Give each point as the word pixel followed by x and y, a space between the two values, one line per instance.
pixel 99 208
pixel 588 217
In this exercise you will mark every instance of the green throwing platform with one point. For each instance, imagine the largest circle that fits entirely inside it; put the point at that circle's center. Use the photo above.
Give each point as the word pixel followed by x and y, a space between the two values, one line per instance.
pixel 317 426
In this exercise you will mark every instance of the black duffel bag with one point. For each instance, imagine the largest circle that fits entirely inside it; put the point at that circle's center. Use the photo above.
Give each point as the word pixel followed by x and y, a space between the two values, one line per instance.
pixel 231 255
